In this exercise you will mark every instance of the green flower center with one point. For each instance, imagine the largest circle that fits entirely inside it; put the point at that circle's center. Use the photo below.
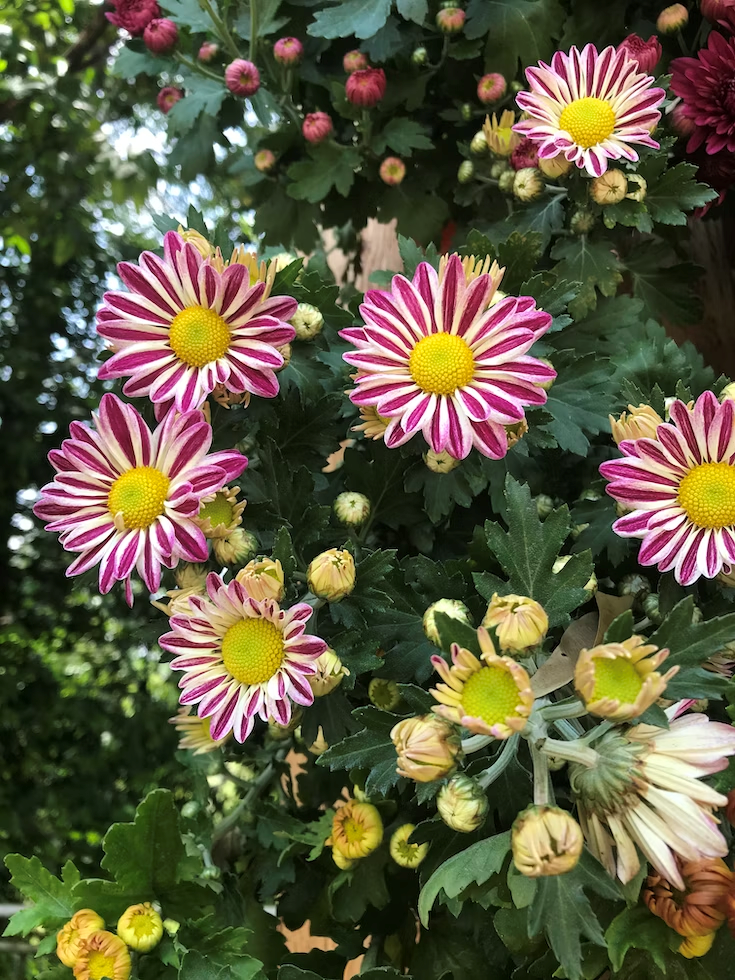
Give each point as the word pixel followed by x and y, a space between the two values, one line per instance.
pixel 198 336
pixel 617 679
pixel 707 494
pixel 441 363
pixel 139 495
pixel 588 121
pixel 491 694
pixel 219 511
pixel 252 650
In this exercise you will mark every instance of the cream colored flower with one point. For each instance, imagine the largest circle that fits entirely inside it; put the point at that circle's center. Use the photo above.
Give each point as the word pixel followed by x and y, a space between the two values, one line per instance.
pixel 373 425
pixel 462 804
pixel 235 548
pixel 641 423
pixel 427 747
pixel 329 673
pixel 545 841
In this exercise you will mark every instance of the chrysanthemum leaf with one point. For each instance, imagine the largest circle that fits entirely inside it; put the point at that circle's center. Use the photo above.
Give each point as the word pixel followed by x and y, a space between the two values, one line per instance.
pixel 53 902
pixel 516 30
pixel 579 400
pixel 673 191
pixel 328 165
pixel 403 136
pixel 371 749
pixel 361 18
pixel 663 283
pixel 637 928
pixel 689 643
pixel 204 95
pixel 591 263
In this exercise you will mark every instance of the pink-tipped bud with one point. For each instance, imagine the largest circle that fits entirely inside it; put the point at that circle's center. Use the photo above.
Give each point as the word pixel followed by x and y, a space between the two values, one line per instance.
pixel 264 160
pixel 317 127
pixel 242 77
pixel 366 87
pixel 681 121
pixel 491 88
pixel 168 97
pixel 451 20
pixel 354 61
pixel 392 171
pixel 134 15
pixel 288 51
pixel 160 35
pixel 208 51
pixel 672 19
pixel 646 54
pixel 525 154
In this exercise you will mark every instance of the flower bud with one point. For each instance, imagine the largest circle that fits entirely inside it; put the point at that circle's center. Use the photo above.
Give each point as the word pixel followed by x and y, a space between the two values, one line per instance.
pixel 427 747
pixel 354 61
pixel 639 422
pixel 286 351
pixel 342 862
pixel 392 171
pixel 307 321
pixel 466 172
pixel 646 54
pixel 168 97
pixel 68 940
pixel 498 168
pixel 288 51
pixel 525 154
pixel 316 127
pixel 207 51
pixel 195 238
pixel 357 829
pixel 263 578
pixel 491 88
pixel 478 145
pixel 264 160
pixel 242 77
pixel 519 622
pixel 507 181
pixel 140 927
pixel 450 607
pixel 462 804
pixel 331 575
pixel 351 509
pixel 672 19
pixel 171 926
pixel 610 188
pixel 441 462
pixel 681 121
pixel 651 608
pixel 582 222
pixel 545 840
pixel 554 167
pixel 384 694
pixel 450 20
pixel 404 854
pixel 639 182
pixel 329 673
pixel 544 506
pixel 235 548
pixel 190 576
pixel 106 950
pixel 516 431
pixel 728 392
pixel 160 35
pixel 694 946
pixel 466 111
pixel 280 733
pixel 366 87
pixel 419 56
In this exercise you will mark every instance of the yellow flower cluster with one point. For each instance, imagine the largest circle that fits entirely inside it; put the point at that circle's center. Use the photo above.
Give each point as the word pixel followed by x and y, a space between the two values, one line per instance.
pixel 94 953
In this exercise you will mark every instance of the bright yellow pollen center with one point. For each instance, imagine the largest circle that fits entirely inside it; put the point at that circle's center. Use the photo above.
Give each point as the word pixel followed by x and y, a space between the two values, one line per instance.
pixel 490 694
pixel 707 494
pixel 100 966
pixel 198 336
pixel 141 924
pixel 441 363
pixel 353 831
pixel 588 121
pixel 139 495
pixel 219 510
pixel 617 679
pixel 252 650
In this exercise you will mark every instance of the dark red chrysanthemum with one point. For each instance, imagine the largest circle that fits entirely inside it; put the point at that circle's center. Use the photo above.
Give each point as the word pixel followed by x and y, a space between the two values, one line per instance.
pixel 134 15
pixel 524 155
pixel 707 86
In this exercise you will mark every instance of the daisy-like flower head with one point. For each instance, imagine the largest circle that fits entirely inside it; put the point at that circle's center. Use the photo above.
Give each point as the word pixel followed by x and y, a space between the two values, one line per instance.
pixel 69 939
pixel 490 696
pixel 194 732
pixel 184 327
pixel 126 497
pixel 705 83
pixel 591 107
pixel 220 513
pixel 102 955
pixel 680 489
pixel 372 425
pixel 242 657
pixel 620 680
pixel 434 359
pixel 357 829
pixel 499 133
pixel 645 790
pixel 698 909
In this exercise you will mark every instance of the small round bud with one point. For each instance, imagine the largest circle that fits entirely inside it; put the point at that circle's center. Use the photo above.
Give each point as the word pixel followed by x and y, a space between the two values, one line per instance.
pixel 449 607
pixel 329 673
pixel 351 509
pixel 140 927
pixel 491 88
pixel 651 608
pixel 466 111
pixel 316 127
pixel 441 462
pixel 366 87
pixel 307 321
pixel 610 188
pixel 354 61
pixel 288 51
pixel 384 694
pixel 478 145
pixel 264 160
pixel 554 167
pixel 404 854
pixel 207 51
pixel 582 222
pixel 672 19
pixel 544 506
pixel 636 585
pixel 640 185
pixel 462 804
pixel 160 35
pixel 357 829
pixel 419 56
pixel 190 809
pixel 237 547
pixel 528 185
pixel 242 77
pixel 263 578
pixel 498 169
pixel 331 575
pixel 519 622
pixel 506 181
pixel 392 171
pixel 450 20
pixel 427 748
pixel 466 172
pixel 545 840
pixel 168 97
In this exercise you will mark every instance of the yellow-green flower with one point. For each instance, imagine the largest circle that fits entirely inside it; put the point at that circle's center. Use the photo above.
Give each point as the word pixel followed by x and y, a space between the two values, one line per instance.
pixel 499 133
pixel 140 927
pixel 619 680
pixel 357 829
pixel 694 946
pixel 263 578
pixel 221 513
pixel 68 939
pixel 427 748
pixel 342 862
pixel 194 732
pixel 490 696
pixel 519 622
pixel 384 693
pixel 545 840
pixel 331 575
pixel 102 956
pixel 405 854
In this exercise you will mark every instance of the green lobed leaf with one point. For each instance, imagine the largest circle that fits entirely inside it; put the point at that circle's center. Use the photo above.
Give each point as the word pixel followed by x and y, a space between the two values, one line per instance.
pixel 53 902
pixel 672 191
pixel 475 865
pixel 580 400
pixel 361 18
pixel 592 264
pixel 370 749
pixel 689 643
pixel 130 63
pixel 329 165
pixel 517 31
pixel 415 10
pixel 402 135
pixel 204 95
pixel 188 13
pixel 637 928
pixel 663 283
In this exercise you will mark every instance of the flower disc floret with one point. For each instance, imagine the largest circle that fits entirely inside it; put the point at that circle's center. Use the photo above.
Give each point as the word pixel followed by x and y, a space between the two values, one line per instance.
pixel 403 853
pixel 680 490
pixel 357 830
pixel 591 107
pixel 242 657
pixel 619 680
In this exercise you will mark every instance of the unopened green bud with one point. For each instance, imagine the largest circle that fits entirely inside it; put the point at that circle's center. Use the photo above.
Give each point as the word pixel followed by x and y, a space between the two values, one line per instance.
pixel 466 111
pixel 466 172
pixel 420 56
pixel 462 804
pixel 498 168
pixel 506 181
pixel 478 145
pixel 583 221
pixel 651 608
pixel 351 509
pixel 307 321
pixel 528 184
pixel 544 505
pixel 384 694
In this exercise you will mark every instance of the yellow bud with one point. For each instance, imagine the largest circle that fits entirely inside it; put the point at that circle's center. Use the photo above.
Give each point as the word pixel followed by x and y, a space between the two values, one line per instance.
pixel 405 854
pixel 307 321
pixel 281 732
pixel 545 840
pixel 171 926
pixel 286 351
pixel 555 167
pixel 195 238
pixel 140 927
pixel 610 188
pixel 462 804
pixel 357 829
pixel 427 747
pixel 449 607
pixel 82 924
pixel 639 422
pixel 329 673
pixel 263 578
pixel 672 19
pixel 528 185
pixel 342 862
pixel 235 548
pixel 694 946
pixel 281 260
pixel 102 954
pixel 441 462
pixel 519 622
pixel 331 575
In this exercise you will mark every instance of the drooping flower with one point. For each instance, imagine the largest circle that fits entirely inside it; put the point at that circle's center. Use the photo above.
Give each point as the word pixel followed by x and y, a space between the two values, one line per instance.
pixel 133 15
pixel 433 358
pixel 69 939
pixel 646 54
pixel 680 489
pixel 288 51
pixel 620 680
pixel 591 107
pixel 499 133
pixel 546 841
pixel 491 88
pixel 126 497
pixel 102 955
pixel 357 829
pixel 242 77
pixel 427 747
pixel 366 87
pixel 242 657
pixel 184 327
pixel 168 97
pixel 490 696
pixel 194 731
pixel 645 790
pixel 160 35
pixel 706 84
pixel 403 853
pixel 518 621
pixel 694 946
pixel 140 927
pixel 698 908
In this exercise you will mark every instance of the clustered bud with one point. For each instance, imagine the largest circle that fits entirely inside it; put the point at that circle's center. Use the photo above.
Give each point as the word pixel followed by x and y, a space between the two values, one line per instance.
pixel 419 56
pixel 392 171
pixel 450 20
pixel 331 575
pixel 462 804
pixel 160 35
pixel 366 87
pixel 307 321
pixel 316 127
pixel 427 748
pixel 288 51
pixel 351 509
pixel 491 88
pixel 242 77
pixel 236 547
pixel 478 145
pixel 610 188
pixel 545 840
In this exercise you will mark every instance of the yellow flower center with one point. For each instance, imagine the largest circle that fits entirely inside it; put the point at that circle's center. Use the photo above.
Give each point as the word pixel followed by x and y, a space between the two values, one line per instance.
pixel 198 336
pixel 142 924
pixel 588 121
pixel 100 966
pixel 441 363
pixel 219 511
pixel 707 494
pixel 504 135
pixel 139 495
pixel 617 679
pixel 353 830
pixel 252 650
pixel 491 694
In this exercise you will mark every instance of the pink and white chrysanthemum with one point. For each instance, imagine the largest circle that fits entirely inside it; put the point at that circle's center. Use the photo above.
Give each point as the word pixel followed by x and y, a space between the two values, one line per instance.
pixel 125 497
pixel 680 489
pixel 591 107
pixel 435 357
pixel 184 327
pixel 242 657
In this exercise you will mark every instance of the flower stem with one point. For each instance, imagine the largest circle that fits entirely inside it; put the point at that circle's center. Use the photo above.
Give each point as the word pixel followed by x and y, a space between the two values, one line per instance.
pixel 575 751
pixel 507 755
pixel 475 742
pixel 256 788
pixel 193 66
pixel 253 29
pixel 563 709
pixel 220 28
pixel 541 789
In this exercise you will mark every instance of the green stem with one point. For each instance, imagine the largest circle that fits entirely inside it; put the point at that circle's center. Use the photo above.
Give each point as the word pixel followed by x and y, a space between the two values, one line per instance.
pixel 507 755
pixel 476 742
pixel 575 751
pixel 563 709
pixel 220 28
pixel 541 789
pixel 256 788
pixel 253 29
pixel 193 66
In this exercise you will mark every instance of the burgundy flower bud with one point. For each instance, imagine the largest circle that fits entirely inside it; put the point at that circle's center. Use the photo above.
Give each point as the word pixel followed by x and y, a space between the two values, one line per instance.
pixel 317 127
pixel 491 88
pixel 160 35
pixel 288 51
pixel 134 15
pixel 242 77
pixel 366 87
pixel 168 97
pixel 354 61
pixel 646 54
pixel 207 51
pixel 525 154
pixel 451 20
pixel 392 171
